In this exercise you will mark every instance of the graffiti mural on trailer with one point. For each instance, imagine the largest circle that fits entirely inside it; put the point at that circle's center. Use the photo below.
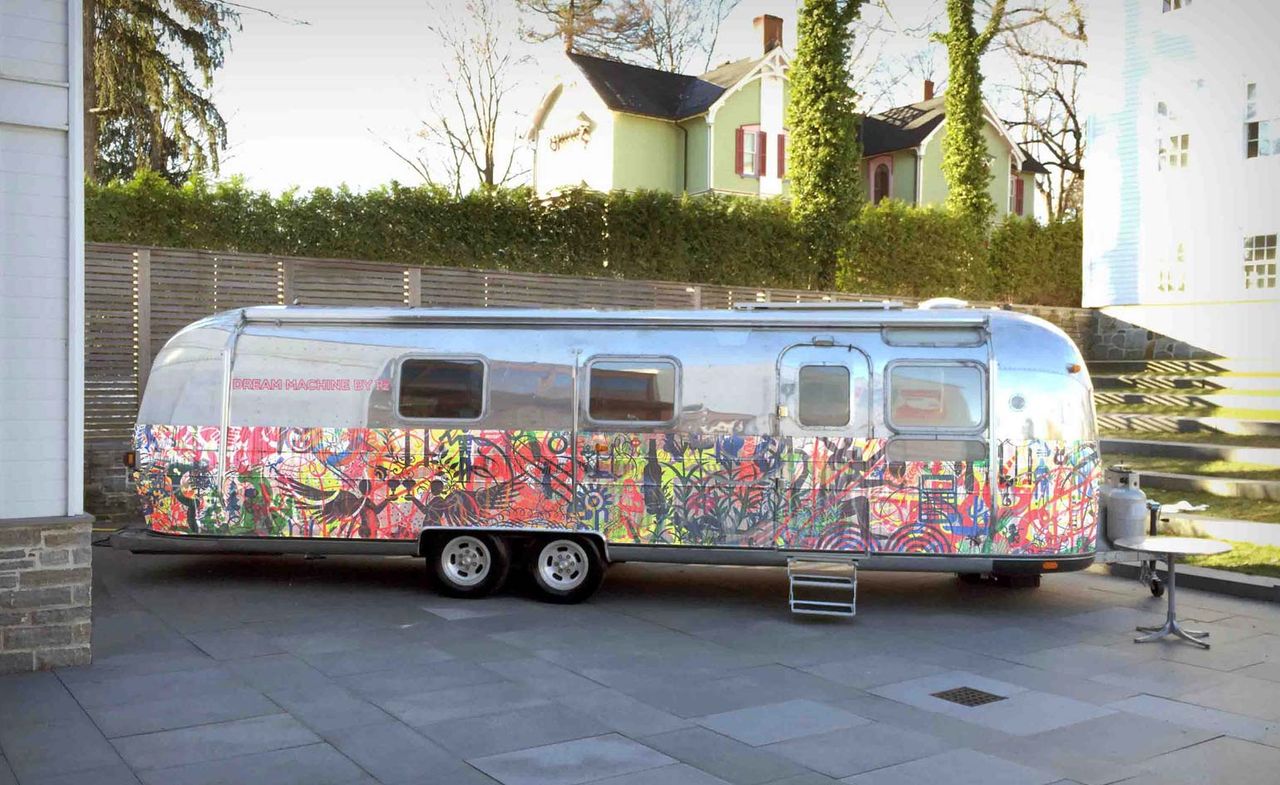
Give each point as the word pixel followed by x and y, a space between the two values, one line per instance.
pixel 643 488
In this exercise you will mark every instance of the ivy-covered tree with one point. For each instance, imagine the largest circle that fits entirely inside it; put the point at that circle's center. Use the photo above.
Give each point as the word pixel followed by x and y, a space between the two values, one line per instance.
pixel 824 151
pixel 964 152
pixel 148 71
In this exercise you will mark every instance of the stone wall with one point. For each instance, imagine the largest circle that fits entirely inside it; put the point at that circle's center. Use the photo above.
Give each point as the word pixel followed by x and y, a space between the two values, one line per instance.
pixel 45 594
pixel 1116 339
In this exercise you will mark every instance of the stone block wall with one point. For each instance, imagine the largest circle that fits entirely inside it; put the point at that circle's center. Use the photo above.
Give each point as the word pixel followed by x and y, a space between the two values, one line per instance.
pixel 1116 339
pixel 45 592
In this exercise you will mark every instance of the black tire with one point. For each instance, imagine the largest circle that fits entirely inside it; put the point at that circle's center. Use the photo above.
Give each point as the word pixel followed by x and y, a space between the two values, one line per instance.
pixel 971 577
pixel 468 564
pixel 565 569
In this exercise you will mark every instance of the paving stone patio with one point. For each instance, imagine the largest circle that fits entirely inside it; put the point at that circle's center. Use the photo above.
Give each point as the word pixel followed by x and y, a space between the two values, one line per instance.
pixel 346 670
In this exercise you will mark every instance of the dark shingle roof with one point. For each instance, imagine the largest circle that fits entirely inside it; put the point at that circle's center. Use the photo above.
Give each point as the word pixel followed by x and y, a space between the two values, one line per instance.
pixel 647 91
pixel 900 127
pixel 632 88
pixel 907 126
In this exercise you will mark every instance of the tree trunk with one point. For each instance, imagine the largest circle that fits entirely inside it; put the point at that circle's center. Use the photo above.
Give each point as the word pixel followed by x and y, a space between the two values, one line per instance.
pixel 90 120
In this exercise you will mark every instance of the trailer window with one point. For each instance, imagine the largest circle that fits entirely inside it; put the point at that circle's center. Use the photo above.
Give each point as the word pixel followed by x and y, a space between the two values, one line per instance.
pixel 929 396
pixel 632 391
pixel 824 395
pixel 442 389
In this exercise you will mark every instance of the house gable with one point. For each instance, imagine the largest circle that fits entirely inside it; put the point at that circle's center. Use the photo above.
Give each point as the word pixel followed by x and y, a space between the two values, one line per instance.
pixel 573 138
pixel 1003 157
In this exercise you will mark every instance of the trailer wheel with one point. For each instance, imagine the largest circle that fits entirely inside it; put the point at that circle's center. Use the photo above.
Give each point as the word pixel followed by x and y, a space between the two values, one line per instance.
pixel 469 565
pixel 566 569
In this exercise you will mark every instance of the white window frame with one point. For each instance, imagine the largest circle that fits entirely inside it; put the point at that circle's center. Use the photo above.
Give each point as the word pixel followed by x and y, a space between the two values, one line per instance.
pixel 1175 151
pixel 1260 261
pixel 750 155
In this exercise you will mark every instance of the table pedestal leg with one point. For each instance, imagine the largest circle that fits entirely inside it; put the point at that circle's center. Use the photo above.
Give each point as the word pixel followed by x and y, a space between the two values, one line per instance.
pixel 1171 625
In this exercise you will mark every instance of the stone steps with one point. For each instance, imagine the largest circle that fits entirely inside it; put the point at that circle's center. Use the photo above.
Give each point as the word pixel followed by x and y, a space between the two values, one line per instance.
pixel 1226 383
pixel 1187 399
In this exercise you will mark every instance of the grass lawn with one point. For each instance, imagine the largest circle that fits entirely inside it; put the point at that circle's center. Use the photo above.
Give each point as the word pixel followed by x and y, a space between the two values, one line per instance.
pixel 1246 557
pixel 1261 510
pixel 1196 437
pixel 1234 469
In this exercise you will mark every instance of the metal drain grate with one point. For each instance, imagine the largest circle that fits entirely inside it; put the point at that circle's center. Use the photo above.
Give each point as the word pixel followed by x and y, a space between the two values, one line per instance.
pixel 968 696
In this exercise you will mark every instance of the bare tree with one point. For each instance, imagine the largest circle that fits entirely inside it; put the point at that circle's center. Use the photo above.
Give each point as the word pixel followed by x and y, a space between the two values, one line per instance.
pixel 472 127
pixel 595 27
pixel 1045 41
pixel 670 35
pixel 878 76
pixel 678 35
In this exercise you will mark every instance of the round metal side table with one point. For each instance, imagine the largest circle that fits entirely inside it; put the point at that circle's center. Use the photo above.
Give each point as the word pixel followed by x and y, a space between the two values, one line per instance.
pixel 1170 548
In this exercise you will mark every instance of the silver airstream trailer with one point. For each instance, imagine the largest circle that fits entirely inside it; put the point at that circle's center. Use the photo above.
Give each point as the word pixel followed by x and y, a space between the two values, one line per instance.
pixel 937 439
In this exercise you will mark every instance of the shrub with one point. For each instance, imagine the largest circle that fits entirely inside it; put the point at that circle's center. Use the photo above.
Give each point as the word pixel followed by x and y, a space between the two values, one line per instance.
pixel 916 252
pixel 1035 263
pixel 892 248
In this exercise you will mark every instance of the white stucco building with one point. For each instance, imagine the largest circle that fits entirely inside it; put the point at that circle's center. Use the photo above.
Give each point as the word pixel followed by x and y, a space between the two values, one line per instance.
pixel 1182 193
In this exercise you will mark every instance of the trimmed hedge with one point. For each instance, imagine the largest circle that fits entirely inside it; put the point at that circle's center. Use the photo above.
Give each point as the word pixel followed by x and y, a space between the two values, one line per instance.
pixel 910 251
pixel 892 249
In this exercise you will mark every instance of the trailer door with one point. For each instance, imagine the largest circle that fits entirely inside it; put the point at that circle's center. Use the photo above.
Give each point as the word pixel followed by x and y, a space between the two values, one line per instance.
pixel 824 429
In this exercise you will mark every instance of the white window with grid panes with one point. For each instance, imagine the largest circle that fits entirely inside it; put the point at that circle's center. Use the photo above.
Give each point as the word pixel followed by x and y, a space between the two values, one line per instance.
pixel 1261 136
pixel 1260 261
pixel 1175 151
pixel 1171 278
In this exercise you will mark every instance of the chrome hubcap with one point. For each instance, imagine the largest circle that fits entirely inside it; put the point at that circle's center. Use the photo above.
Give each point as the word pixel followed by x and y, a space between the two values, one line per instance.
pixel 563 565
pixel 466 561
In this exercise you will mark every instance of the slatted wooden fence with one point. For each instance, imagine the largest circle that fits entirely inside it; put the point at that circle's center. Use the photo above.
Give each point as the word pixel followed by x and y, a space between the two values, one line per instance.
pixel 136 298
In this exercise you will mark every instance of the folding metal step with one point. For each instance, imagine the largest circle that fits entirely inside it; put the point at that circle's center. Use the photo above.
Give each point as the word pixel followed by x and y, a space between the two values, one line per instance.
pixel 823 586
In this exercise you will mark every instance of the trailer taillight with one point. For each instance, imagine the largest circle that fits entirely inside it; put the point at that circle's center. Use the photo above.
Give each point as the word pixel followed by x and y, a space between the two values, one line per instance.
pixel 1050 565
pixel 130 459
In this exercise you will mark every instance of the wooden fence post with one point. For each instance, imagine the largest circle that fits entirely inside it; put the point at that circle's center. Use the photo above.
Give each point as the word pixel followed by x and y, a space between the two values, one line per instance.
pixel 286 281
pixel 142 315
pixel 414 288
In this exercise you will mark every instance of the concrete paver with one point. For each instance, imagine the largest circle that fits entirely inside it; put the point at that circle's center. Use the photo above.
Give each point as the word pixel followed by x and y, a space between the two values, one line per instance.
pixel 346 670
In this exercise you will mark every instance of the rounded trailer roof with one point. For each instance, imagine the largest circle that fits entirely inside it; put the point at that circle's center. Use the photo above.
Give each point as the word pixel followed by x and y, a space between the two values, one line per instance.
pixel 828 315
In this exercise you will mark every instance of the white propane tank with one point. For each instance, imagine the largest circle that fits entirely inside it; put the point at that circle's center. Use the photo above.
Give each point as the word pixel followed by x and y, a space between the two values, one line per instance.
pixel 1124 505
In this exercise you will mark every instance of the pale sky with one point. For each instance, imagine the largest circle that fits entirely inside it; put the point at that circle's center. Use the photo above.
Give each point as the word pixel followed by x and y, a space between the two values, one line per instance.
pixel 309 105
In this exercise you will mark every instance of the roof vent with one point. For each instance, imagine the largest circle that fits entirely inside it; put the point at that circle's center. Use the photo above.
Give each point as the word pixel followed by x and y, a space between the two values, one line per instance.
pixel 938 303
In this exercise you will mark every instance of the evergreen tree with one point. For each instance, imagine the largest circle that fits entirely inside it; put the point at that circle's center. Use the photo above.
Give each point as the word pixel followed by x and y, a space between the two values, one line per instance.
pixel 148 67
pixel 824 151
pixel 964 152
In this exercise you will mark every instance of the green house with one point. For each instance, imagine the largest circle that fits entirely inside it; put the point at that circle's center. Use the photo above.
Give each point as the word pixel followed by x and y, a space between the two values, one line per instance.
pixel 607 125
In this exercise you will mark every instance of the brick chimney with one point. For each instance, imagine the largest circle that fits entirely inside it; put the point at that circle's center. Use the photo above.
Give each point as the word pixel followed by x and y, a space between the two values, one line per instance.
pixel 928 89
pixel 769 28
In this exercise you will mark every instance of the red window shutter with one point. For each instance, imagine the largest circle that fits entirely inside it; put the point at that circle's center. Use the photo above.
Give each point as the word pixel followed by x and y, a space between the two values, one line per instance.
pixel 737 152
pixel 1017 195
pixel 782 155
pixel 761 146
